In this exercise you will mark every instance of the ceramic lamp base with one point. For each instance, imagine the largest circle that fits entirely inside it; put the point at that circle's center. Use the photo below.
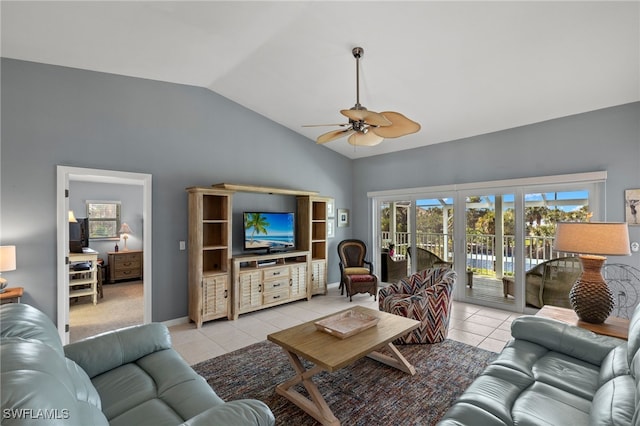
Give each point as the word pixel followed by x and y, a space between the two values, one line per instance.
pixel 590 296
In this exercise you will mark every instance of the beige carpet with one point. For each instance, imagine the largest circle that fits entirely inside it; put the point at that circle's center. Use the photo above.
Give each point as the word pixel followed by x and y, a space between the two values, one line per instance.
pixel 121 306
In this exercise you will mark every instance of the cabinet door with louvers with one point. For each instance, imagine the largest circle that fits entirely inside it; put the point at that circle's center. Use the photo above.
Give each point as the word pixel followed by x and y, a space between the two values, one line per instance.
pixel 319 277
pixel 250 290
pixel 215 296
pixel 298 280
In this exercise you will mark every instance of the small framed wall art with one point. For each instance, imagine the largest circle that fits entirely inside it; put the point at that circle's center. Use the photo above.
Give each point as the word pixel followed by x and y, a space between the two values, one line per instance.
pixel 632 206
pixel 331 230
pixel 331 208
pixel 343 218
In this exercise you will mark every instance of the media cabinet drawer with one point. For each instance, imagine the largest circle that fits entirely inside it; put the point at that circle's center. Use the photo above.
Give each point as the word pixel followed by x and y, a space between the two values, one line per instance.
pixel 275 296
pixel 274 273
pixel 276 285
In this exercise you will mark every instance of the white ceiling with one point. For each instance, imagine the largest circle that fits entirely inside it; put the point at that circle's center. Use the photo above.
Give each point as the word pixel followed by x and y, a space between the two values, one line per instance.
pixel 458 68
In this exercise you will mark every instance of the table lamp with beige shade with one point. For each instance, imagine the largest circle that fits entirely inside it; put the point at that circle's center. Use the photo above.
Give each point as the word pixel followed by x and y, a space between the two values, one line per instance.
pixel 7 263
pixel 590 296
pixel 125 230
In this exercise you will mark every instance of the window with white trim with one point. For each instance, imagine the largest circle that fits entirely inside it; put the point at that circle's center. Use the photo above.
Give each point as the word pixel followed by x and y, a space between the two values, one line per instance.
pixel 104 219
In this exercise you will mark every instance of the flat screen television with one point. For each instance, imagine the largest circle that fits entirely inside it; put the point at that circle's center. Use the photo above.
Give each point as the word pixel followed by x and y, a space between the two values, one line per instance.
pixel 78 235
pixel 269 231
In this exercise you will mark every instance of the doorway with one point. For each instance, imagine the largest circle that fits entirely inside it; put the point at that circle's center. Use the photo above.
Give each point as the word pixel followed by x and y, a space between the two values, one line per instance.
pixel 65 175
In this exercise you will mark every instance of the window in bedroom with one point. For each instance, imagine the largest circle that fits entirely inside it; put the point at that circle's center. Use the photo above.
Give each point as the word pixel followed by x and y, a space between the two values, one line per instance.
pixel 104 219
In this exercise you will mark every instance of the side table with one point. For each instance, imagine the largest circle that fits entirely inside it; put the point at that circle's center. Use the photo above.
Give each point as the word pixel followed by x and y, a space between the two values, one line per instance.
pixel 613 326
pixel 11 295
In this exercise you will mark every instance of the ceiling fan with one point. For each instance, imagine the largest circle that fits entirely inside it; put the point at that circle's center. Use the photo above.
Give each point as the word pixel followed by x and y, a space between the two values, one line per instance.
pixel 368 128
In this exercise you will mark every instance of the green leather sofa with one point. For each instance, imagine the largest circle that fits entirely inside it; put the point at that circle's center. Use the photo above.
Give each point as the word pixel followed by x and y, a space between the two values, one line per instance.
pixel 127 377
pixel 552 373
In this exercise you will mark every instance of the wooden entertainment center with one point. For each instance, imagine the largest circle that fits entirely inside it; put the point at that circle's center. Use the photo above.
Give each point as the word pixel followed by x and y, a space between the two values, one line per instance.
pixel 223 285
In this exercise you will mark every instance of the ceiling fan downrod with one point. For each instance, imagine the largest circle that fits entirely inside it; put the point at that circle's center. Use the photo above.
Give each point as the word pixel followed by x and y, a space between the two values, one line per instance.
pixel 358 52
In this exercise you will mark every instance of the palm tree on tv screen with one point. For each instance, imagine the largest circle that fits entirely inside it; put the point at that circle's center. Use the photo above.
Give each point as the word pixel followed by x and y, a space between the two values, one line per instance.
pixel 257 223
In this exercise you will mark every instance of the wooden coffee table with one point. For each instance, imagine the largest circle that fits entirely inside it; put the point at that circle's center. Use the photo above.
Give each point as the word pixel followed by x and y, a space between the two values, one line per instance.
pixel 331 353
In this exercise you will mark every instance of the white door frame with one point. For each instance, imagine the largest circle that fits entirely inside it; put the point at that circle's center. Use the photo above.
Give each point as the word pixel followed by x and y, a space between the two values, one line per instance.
pixel 66 174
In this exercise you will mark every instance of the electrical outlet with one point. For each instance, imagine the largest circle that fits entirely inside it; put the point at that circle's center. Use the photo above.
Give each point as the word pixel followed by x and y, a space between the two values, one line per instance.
pixel 183 245
pixel 635 246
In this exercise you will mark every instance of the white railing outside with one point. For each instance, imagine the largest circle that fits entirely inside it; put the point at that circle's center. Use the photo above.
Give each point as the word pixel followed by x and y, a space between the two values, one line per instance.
pixel 481 249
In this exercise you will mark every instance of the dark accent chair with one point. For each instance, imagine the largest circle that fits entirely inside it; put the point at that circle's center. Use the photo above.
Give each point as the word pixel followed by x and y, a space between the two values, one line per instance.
pixel 548 283
pixel 391 270
pixel 427 259
pixel 356 273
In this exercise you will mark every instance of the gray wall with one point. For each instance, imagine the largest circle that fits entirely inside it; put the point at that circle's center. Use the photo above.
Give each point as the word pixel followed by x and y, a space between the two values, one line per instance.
pixel 607 139
pixel 181 135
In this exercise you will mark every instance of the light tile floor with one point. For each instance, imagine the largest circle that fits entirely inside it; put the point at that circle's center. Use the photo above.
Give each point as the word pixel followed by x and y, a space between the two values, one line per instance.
pixel 474 325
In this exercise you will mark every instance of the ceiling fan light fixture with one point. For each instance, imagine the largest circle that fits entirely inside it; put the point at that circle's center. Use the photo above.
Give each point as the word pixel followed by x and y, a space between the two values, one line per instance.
pixel 389 124
pixel 364 139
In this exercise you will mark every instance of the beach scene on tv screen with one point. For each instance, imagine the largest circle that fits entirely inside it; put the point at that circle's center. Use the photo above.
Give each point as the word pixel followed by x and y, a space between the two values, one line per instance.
pixel 268 230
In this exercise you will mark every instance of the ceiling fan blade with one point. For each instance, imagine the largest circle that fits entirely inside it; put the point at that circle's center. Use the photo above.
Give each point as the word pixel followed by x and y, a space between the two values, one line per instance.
pixel 325 125
pixel 369 117
pixel 365 139
pixel 400 126
pixel 333 135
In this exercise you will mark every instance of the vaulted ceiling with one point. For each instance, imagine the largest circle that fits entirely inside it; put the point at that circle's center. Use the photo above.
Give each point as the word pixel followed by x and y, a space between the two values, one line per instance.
pixel 458 68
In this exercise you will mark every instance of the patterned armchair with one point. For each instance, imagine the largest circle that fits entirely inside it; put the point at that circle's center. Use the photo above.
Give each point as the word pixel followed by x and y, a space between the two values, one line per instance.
pixel 425 296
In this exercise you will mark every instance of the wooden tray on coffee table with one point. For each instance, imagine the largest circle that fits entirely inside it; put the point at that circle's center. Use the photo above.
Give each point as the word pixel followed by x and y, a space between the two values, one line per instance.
pixel 347 323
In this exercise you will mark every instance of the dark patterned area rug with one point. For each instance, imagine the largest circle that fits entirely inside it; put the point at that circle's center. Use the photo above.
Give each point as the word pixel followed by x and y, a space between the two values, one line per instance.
pixel 364 393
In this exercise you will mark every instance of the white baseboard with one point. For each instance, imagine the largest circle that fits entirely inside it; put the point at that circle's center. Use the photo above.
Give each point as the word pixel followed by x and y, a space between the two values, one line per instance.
pixel 176 321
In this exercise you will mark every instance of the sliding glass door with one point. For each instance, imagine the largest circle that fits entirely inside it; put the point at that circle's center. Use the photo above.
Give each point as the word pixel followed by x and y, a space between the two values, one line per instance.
pixel 490 244
pixel 414 234
pixel 509 229
pixel 549 274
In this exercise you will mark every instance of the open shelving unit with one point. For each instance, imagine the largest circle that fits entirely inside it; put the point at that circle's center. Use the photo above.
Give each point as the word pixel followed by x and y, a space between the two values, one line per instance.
pixel 312 235
pixel 209 254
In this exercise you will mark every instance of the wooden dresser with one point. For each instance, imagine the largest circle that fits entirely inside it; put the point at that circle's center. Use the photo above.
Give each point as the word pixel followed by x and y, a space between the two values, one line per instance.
pixel 125 265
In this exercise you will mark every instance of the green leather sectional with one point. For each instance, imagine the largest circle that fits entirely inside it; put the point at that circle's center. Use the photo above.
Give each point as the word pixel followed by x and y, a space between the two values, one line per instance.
pixel 552 373
pixel 127 377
